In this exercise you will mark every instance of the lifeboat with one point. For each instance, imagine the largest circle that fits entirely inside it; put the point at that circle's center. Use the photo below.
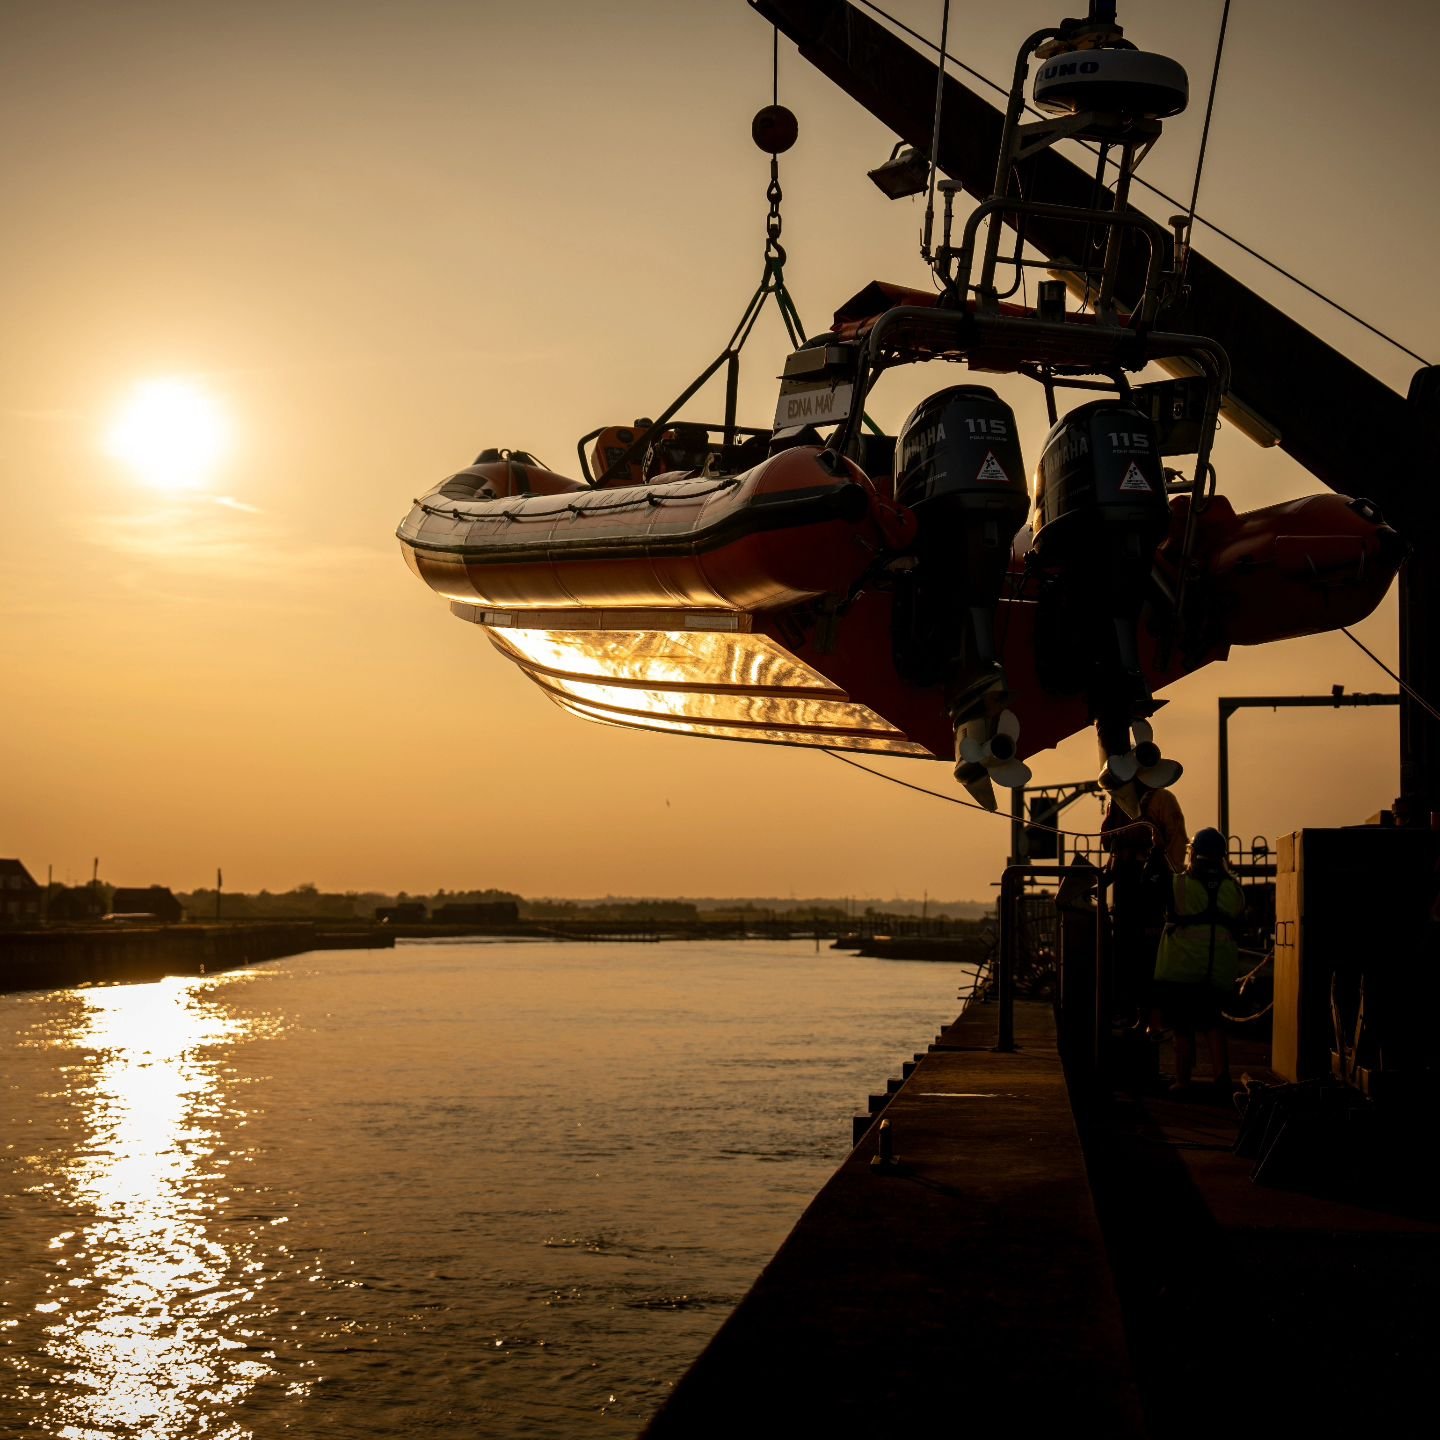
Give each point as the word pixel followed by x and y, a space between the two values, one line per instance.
pixel 773 605
pixel 803 524
pixel 676 605
pixel 921 595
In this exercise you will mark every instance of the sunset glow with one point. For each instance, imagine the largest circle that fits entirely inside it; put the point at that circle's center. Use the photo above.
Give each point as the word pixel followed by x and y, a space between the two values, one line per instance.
pixel 242 346
pixel 421 453
pixel 171 433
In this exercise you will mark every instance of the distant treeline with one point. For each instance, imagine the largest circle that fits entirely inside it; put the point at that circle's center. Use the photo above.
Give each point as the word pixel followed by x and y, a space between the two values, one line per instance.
pixel 759 907
pixel 309 902
pixel 607 909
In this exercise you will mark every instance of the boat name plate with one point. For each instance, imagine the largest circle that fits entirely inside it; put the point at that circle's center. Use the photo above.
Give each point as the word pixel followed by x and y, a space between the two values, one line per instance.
pixel 812 403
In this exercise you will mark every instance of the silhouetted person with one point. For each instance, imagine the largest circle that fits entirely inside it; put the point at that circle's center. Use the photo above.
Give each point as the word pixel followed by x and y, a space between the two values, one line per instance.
pixel 1199 960
pixel 1144 855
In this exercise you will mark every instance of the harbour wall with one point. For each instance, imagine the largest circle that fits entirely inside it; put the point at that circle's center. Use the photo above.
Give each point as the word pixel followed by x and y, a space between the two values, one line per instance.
pixel 127 954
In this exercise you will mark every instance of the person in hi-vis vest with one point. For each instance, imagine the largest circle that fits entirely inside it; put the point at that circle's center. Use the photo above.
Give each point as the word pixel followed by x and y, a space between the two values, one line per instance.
pixel 1199 960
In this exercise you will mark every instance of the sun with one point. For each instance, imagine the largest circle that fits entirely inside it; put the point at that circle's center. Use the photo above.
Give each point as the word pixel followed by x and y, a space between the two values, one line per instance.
pixel 171 433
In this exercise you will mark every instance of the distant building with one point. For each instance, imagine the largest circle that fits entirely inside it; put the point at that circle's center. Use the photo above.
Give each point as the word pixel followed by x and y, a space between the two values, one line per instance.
pixel 19 895
pixel 407 912
pixel 479 912
pixel 74 904
pixel 153 900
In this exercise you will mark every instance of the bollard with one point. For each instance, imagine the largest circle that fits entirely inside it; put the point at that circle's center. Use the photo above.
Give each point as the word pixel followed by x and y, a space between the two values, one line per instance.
pixel 884 1158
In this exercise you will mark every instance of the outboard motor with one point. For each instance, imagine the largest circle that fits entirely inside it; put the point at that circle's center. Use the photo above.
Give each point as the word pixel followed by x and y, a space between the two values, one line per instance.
pixel 958 466
pixel 1101 513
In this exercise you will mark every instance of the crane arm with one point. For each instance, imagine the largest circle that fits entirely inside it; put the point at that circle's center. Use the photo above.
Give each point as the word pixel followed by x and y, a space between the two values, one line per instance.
pixel 1346 427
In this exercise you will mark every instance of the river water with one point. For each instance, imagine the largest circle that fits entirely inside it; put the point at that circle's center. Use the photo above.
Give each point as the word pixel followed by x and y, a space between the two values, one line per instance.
pixel 505 1189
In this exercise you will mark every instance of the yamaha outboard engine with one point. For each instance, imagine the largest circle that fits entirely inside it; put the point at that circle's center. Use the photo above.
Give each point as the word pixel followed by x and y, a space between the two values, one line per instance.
pixel 1101 513
pixel 958 467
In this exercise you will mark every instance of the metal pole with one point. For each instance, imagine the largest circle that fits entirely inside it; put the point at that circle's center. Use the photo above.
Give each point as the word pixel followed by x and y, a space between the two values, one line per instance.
pixel 1228 704
pixel 1011 885
pixel 1419 606
pixel 1101 1019
pixel 732 391
pixel 926 249
pixel 1226 711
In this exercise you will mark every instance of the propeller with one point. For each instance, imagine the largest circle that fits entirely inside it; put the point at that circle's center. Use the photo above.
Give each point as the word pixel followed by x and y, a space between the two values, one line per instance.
pixel 1143 762
pixel 984 763
pixel 1119 770
pixel 1127 797
pixel 1152 769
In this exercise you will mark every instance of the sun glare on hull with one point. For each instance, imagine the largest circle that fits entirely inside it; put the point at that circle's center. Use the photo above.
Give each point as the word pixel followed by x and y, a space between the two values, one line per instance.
pixel 170 433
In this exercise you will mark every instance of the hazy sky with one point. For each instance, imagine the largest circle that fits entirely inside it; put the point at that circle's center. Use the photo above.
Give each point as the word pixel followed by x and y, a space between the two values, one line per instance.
pixel 382 235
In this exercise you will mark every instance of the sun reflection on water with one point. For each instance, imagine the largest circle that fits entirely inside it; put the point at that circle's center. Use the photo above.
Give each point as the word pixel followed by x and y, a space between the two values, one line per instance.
pixel 151 1312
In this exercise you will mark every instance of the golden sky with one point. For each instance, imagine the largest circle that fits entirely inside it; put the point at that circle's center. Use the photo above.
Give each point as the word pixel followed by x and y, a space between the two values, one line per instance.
pixel 381 235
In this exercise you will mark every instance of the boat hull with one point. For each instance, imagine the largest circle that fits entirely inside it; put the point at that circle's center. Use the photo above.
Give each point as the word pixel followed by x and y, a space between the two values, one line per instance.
pixel 797 527
pixel 761 607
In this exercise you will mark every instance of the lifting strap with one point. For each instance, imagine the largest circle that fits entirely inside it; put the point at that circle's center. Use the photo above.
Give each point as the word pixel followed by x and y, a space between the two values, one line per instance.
pixel 772 282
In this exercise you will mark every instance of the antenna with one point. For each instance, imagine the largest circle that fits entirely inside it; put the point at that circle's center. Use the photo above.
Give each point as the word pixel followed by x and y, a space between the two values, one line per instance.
pixel 925 249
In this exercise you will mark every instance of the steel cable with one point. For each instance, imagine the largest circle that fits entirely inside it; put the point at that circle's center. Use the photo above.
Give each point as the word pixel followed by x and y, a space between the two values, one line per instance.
pixel 1415 695
pixel 971 805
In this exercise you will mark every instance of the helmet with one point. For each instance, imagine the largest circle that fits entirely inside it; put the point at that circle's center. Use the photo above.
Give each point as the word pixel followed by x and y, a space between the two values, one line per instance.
pixel 1208 844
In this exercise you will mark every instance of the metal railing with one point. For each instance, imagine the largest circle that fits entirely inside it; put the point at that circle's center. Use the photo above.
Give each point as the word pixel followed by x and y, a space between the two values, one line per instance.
pixel 1083 983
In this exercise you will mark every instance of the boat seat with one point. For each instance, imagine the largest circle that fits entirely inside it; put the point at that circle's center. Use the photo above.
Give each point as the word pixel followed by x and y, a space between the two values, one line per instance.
pixel 682 447
pixel 610 445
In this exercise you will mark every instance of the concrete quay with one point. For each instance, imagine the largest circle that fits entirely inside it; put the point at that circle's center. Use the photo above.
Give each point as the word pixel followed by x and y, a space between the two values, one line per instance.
pixel 64 956
pixel 969 1286
pixel 1124 1275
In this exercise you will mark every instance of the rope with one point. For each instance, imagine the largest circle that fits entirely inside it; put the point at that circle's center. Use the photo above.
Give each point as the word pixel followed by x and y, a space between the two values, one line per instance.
pixel 652 496
pixel 1246 1019
pixel 1209 111
pixel 994 814
pixel 1171 200
pixel 1419 699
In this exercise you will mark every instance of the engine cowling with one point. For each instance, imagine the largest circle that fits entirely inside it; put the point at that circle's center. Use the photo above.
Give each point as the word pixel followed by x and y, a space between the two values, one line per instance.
pixel 959 468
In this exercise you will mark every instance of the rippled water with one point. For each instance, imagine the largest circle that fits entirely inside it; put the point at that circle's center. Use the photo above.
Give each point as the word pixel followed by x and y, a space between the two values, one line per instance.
pixel 473 1189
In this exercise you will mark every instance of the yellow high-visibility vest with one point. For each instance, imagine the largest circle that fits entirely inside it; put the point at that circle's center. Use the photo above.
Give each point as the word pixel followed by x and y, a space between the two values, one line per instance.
pixel 1198 946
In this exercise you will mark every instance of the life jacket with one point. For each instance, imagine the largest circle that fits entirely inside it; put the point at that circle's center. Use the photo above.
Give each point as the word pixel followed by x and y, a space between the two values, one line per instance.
pixel 1198 945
